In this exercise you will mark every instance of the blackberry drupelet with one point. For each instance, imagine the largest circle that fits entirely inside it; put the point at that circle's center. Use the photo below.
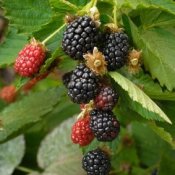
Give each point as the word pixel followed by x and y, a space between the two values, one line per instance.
pixel 115 50
pixel 66 78
pixel 104 125
pixel 84 85
pixel 106 99
pixel 80 37
pixel 96 162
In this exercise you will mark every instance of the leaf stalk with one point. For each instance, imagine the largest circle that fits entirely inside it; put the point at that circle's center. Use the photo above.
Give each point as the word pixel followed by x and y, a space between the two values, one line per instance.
pixel 53 34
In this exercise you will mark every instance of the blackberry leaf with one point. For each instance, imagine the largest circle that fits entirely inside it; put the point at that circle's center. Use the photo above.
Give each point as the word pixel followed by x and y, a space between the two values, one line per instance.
pixel 166 5
pixel 154 41
pixel 11 46
pixel 160 131
pixel 139 101
pixel 17 115
pixel 30 18
pixel 9 151
pixel 57 154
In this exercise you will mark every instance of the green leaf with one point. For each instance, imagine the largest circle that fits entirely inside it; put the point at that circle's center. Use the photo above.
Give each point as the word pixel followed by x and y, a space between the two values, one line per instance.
pixel 149 145
pixel 57 153
pixel 139 101
pixel 11 155
pixel 154 17
pixel 34 173
pixel 68 167
pixel 163 134
pixel 166 5
pixel 50 60
pixel 106 11
pixel 11 46
pixel 139 171
pixel 166 165
pixel 48 123
pixel 62 6
pixel 169 108
pixel 28 19
pixel 29 110
pixel 79 2
pixel 121 159
pixel 149 86
pixel 67 64
pixel 153 41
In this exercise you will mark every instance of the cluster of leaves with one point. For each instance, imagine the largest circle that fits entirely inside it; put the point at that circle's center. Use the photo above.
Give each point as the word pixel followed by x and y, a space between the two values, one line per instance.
pixel 146 109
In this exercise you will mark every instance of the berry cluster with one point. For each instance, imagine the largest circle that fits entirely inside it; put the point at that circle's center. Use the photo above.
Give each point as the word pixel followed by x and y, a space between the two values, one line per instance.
pixel 85 85
pixel 82 40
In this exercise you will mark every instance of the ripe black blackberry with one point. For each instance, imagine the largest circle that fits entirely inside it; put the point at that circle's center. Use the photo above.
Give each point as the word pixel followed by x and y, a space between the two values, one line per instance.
pixel 80 37
pixel 115 50
pixel 84 85
pixel 66 78
pixel 104 125
pixel 106 99
pixel 96 162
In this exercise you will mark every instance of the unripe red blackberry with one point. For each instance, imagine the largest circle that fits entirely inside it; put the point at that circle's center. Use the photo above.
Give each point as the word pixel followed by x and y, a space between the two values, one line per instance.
pixel 30 59
pixel 81 132
pixel 8 93
pixel 106 99
pixel 104 125
pixel 83 86
pixel 115 50
pixel 80 37
pixel 96 162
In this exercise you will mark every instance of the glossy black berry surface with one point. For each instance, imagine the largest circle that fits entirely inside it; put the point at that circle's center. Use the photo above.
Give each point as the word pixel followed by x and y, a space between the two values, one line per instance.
pixel 80 37
pixel 115 50
pixel 96 162
pixel 83 86
pixel 104 125
pixel 66 78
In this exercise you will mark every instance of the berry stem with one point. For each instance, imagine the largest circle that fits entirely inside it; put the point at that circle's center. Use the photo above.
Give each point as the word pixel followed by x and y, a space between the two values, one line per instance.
pixel 115 13
pixel 94 3
pixel 70 4
pixel 24 169
pixel 82 114
pixel 53 34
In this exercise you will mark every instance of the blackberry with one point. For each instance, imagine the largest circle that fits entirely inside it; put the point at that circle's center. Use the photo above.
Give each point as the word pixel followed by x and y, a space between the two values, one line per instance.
pixel 81 132
pixel 104 125
pixel 115 50
pixel 96 162
pixel 30 59
pixel 106 99
pixel 80 37
pixel 66 78
pixel 83 85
